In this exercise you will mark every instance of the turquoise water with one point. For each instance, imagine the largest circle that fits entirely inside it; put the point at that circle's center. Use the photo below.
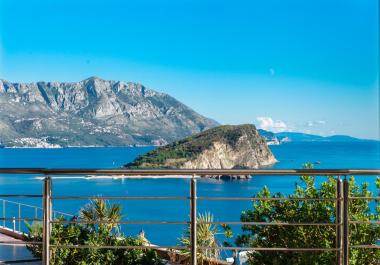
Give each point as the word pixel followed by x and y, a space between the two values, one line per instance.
pixel 290 155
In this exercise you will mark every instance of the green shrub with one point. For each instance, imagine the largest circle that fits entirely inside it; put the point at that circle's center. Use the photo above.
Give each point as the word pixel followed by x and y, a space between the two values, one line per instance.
pixel 207 251
pixel 73 234
pixel 309 236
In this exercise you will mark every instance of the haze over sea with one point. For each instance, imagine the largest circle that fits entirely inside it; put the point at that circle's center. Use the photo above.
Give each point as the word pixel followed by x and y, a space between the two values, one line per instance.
pixel 331 155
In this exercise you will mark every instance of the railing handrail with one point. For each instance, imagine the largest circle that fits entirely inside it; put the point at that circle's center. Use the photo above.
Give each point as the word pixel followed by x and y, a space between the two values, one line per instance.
pixel 342 201
pixel 35 207
pixel 189 173
pixel 19 214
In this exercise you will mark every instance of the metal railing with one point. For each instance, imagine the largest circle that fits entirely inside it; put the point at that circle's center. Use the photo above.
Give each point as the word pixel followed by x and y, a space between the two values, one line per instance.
pixel 342 200
pixel 7 204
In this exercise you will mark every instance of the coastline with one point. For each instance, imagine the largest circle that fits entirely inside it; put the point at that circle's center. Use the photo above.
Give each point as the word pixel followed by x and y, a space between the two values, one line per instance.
pixel 76 146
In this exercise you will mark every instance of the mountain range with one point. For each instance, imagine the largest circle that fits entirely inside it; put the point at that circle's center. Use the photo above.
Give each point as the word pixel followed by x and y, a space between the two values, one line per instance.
pixel 97 112
pixel 279 137
pixel 92 112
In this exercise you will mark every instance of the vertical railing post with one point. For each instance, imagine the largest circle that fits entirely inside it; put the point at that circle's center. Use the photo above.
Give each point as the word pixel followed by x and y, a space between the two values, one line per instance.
pixel 46 219
pixel 193 220
pixel 346 243
pixel 339 218
pixel 19 217
pixel 4 213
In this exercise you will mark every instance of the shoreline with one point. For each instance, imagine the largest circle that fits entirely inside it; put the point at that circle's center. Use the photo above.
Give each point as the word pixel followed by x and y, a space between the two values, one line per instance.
pixel 137 146
pixel 84 146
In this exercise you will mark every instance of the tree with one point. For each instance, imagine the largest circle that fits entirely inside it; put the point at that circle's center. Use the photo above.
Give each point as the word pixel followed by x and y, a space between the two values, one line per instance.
pixel 206 240
pixel 294 211
pixel 99 210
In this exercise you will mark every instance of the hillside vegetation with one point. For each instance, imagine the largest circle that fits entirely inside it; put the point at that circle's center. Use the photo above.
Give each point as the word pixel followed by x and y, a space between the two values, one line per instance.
pixel 176 154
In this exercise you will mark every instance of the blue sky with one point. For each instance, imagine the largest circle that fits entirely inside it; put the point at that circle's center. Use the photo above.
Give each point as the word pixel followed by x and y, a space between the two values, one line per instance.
pixel 308 66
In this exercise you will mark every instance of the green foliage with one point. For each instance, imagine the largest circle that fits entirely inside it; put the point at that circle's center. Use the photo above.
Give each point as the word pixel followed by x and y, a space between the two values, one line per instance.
pixel 101 211
pixel 73 234
pixel 157 157
pixel 206 238
pixel 190 147
pixel 294 211
pixel 35 234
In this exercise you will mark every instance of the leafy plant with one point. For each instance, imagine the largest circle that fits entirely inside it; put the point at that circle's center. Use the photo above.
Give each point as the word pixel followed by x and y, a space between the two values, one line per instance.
pixel 35 235
pixel 206 240
pixel 302 236
pixel 96 235
pixel 101 211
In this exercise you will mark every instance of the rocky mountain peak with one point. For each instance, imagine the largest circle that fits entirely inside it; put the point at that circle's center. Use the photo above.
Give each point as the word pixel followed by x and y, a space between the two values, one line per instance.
pixel 126 112
pixel 94 78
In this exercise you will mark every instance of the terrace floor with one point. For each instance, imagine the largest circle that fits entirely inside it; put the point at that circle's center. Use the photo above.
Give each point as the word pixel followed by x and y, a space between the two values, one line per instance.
pixel 15 253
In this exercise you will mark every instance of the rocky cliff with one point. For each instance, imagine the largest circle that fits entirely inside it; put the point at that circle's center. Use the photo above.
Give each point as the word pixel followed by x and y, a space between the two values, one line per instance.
pixel 92 112
pixel 222 147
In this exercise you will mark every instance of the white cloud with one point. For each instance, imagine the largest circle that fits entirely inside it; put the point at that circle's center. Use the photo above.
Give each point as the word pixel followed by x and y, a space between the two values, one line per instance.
pixel 267 123
pixel 315 123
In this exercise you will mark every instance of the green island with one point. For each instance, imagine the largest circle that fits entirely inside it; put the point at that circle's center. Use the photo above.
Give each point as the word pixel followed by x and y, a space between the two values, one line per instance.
pixel 226 146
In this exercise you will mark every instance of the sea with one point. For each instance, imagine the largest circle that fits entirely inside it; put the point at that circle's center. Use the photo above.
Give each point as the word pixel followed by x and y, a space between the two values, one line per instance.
pixel 293 155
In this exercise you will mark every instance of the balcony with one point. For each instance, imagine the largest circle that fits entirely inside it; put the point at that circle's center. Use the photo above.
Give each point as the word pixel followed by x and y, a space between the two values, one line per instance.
pixel 15 213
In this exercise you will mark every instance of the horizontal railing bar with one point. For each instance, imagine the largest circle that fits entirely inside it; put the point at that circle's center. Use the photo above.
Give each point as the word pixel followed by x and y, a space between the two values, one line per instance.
pixel 183 247
pixel 34 207
pixel 22 204
pixel 19 219
pixel 23 261
pixel 272 249
pixel 21 242
pixel 121 222
pixel 366 246
pixel 264 199
pixel 187 198
pixel 364 198
pixel 119 197
pixel 199 222
pixel 117 247
pixel 364 222
pixel 273 223
pixel 121 176
pixel 190 172
pixel 20 196
pixel 62 213
pixel 33 170
pixel 180 247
